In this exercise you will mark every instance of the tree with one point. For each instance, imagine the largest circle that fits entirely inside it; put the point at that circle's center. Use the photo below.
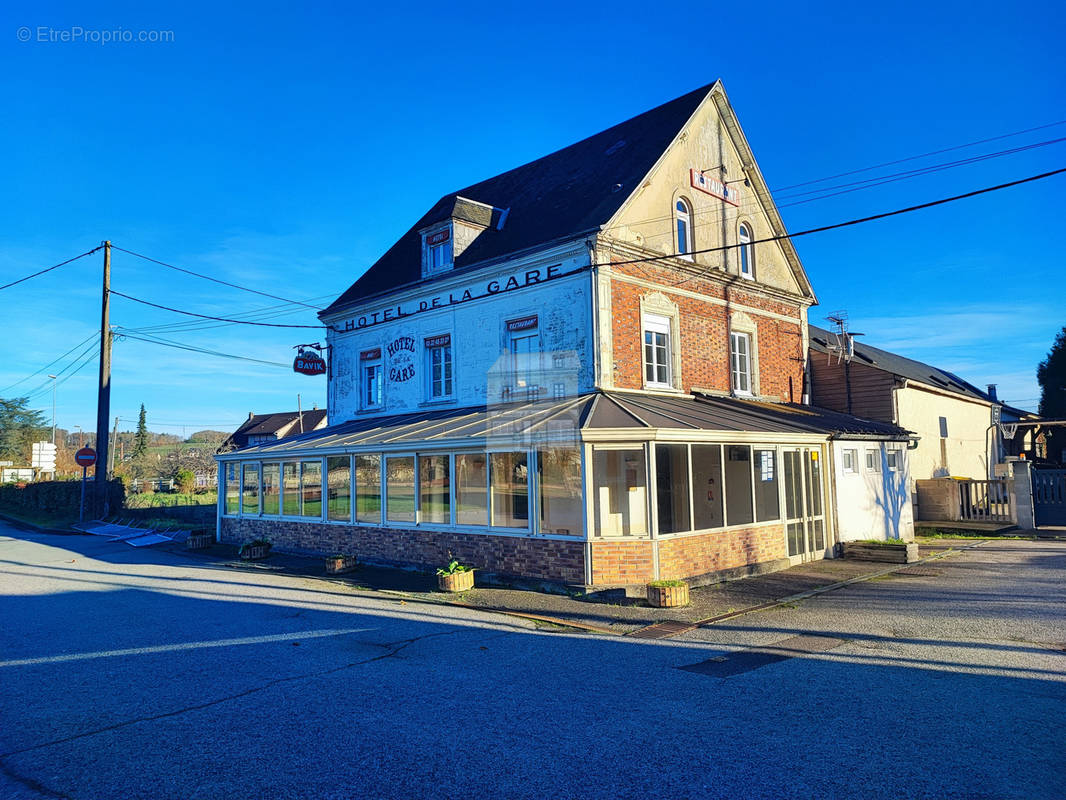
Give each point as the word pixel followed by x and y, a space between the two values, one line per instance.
pixel 140 445
pixel 1051 374
pixel 20 427
pixel 186 480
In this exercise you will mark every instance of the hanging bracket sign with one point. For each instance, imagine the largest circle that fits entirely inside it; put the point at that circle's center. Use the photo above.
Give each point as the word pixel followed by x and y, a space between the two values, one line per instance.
pixel 309 361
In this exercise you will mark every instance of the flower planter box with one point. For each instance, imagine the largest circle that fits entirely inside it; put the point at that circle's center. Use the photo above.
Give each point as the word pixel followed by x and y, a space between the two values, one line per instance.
pixel 199 541
pixel 255 552
pixel 668 596
pixel 338 564
pixel 904 553
pixel 456 581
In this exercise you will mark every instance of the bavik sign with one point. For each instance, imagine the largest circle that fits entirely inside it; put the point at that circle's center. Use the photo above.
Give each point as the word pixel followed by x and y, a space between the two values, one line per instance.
pixel 308 362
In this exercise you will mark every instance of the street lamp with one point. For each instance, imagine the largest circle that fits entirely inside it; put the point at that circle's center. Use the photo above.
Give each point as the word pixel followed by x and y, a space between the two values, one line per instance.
pixel 53 377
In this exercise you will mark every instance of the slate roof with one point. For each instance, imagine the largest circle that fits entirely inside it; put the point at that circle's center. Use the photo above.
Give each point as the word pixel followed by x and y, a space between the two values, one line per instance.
pixel 547 419
pixel 561 196
pixel 898 365
pixel 262 424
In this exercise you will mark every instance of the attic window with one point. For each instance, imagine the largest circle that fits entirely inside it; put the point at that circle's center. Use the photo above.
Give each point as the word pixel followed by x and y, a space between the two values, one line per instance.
pixel 437 250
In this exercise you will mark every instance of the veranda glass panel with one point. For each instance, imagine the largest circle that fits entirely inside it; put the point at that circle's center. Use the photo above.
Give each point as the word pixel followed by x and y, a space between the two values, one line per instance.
pixel 767 497
pixel 339 484
pixel 400 488
pixel 368 489
pixel 311 480
pixel 271 488
pixel 509 481
pixel 290 489
pixel 738 484
pixel 233 487
pixel 707 486
pixel 471 489
pixel 620 487
pixel 671 487
pixel 561 508
pixel 250 490
pixel 434 489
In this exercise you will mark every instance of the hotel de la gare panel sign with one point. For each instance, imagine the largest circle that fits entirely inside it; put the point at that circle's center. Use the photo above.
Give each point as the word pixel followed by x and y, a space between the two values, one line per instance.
pixel 473 291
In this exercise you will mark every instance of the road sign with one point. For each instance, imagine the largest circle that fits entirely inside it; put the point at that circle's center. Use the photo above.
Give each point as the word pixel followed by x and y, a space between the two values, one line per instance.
pixel 43 456
pixel 85 457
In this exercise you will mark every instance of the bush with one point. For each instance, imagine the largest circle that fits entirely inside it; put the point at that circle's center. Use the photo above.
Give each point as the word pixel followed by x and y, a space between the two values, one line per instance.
pixel 184 480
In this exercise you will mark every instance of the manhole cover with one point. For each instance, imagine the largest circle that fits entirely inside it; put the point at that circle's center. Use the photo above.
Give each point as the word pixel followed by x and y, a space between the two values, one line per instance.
pixel 918 572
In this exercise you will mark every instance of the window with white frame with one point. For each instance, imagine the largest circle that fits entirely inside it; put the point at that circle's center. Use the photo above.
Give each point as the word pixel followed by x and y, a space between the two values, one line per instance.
pixel 438 250
pixel 747 253
pixel 657 355
pixel 525 357
pixel 849 461
pixel 892 460
pixel 684 228
pixel 371 390
pixel 740 361
pixel 439 366
pixel 873 460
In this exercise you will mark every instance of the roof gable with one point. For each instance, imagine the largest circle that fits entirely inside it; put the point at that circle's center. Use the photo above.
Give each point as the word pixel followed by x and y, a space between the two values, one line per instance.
pixel 562 195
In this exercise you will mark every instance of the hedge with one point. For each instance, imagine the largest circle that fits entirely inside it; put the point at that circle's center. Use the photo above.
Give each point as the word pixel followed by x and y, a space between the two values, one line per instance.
pixel 59 497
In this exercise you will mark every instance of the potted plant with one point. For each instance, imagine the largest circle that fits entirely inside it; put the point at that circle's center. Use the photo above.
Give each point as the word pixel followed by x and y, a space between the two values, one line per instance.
pixel 255 550
pixel 668 594
pixel 340 563
pixel 892 551
pixel 199 540
pixel 455 577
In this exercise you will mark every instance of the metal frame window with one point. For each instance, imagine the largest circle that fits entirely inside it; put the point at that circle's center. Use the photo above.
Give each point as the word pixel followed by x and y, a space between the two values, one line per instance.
pixel 849 461
pixel 371 379
pixel 740 362
pixel 873 460
pixel 658 359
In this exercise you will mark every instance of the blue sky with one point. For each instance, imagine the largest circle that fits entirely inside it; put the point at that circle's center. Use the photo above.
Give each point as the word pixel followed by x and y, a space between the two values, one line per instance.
pixel 285 147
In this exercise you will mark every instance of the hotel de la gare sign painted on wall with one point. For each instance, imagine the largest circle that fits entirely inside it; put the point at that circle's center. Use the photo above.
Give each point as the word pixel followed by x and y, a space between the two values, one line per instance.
pixel 517 280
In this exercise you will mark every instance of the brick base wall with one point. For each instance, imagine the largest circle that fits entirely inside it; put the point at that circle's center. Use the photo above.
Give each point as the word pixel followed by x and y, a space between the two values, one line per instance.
pixel 615 563
pixel 543 559
pixel 689 556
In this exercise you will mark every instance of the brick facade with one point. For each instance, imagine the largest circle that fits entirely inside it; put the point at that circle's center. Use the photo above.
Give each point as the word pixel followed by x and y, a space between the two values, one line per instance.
pixel 688 556
pixel 704 333
pixel 616 562
pixel 546 559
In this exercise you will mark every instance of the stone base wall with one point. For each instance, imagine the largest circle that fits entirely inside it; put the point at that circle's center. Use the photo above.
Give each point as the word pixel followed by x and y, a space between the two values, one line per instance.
pixel 543 559
pixel 689 556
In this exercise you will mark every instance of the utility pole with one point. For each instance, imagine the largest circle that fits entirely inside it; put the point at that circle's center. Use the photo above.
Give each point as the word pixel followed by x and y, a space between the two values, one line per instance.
pixel 53 377
pixel 103 401
pixel 111 448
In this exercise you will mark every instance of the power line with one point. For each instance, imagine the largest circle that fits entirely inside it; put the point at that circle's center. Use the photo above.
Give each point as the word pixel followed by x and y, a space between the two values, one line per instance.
pixel 217 319
pixel 191 348
pixel 215 280
pixel 834 226
pixel 94 335
pixel 49 269
pixel 922 155
pixel 267 312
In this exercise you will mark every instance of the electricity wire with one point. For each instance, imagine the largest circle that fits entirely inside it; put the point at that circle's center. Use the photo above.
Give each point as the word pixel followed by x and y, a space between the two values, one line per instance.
pixel 49 269
pixel 94 336
pixel 208 316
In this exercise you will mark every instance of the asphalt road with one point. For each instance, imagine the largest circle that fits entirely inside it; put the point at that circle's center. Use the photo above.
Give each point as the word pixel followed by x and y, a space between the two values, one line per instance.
pixel 132 674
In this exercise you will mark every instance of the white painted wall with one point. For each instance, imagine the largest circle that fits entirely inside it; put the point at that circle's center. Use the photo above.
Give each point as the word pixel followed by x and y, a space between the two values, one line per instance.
pixel 962 453
pixel 872 505
pixel 480 339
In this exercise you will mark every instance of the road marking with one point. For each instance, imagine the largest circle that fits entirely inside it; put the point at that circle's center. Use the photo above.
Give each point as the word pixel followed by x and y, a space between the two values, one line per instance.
pixel 170 648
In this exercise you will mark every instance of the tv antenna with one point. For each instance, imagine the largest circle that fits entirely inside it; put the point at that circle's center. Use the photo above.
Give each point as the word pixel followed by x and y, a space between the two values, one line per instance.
pixel 843 345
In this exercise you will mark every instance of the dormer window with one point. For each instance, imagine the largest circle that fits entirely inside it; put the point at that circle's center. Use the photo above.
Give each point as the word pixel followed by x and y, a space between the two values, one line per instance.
pixel 438 250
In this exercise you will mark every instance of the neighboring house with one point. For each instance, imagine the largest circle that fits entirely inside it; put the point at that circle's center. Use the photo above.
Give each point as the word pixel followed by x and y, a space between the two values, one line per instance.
pixel 559 373
pixel 951 418
pixel 264 428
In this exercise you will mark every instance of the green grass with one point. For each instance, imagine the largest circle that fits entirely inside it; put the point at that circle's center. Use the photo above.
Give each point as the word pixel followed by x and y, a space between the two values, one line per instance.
pixel 41 519
pixel 667 584
pixel 161 500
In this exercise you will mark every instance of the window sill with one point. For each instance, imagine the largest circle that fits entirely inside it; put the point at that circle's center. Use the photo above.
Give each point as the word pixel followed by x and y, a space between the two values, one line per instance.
pixel 371 410
pixel 440 401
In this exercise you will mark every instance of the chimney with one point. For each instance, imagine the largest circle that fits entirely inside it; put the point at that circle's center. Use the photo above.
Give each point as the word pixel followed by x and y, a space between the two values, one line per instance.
pixel 992 393
pixel 251 414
